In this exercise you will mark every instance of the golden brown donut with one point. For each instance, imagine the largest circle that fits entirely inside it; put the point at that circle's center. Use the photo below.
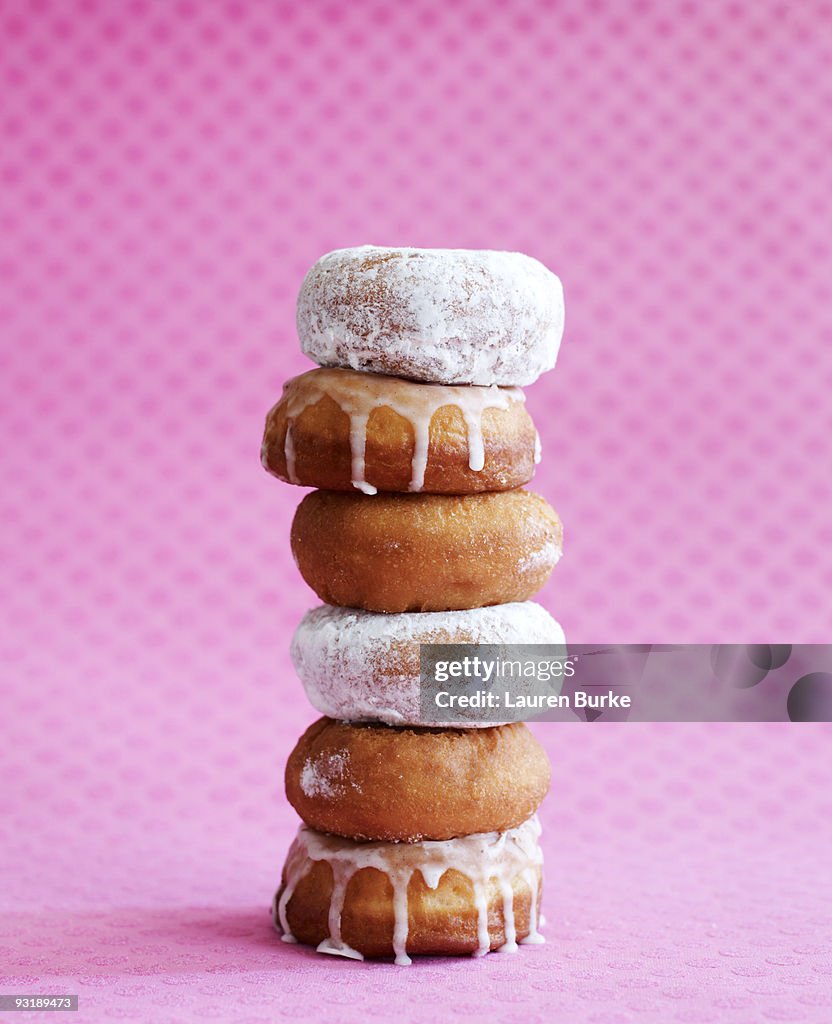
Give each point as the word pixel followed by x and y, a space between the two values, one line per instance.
pixel 425 552
pixel 467 895
pixel 346 431
pixel 379 782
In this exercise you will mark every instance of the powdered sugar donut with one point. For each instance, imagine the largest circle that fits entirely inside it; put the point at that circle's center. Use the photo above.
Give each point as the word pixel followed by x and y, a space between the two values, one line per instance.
pixel 451 316
pixel 364 666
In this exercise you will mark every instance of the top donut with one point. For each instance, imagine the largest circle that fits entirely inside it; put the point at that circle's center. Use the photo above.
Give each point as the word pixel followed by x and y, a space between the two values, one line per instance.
pixel 448 316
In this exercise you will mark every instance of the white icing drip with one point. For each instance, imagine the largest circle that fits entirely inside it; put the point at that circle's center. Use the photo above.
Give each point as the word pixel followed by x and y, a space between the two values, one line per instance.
pixel 359 394
pixel 481 903
pixel 538 449
pixel 421 449
pixel 289 452
pixel 483 858
pixel 432 875
pixel 358 445
pixel 400 881
pixel 476 448
pixel 343 950
pixel 510 945
pixel 534 938
pixel 333 943
pixel 279 914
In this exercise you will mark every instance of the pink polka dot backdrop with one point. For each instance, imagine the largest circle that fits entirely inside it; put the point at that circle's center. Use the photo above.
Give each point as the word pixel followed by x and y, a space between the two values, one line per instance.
pixel 168 171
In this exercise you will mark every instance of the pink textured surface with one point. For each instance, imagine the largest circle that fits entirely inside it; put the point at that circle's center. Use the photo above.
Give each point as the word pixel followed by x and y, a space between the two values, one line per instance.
pixel 167 173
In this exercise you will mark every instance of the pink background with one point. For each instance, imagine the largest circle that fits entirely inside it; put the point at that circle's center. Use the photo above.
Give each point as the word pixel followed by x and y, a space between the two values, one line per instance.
pixel 168 171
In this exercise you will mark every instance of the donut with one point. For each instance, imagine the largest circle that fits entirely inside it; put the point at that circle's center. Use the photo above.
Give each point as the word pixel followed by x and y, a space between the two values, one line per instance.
pixel 342 430
pixel 449 316
pixel 425 552
pixel 467 895
pixel 364 666
pixel 377 782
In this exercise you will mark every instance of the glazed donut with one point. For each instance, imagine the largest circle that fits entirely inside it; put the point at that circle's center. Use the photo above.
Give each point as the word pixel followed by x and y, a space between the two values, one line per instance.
pixel 375 782
pixel 468 895
pixel 343 430
pixel 425 552
pixel 450 316
pixel 364 666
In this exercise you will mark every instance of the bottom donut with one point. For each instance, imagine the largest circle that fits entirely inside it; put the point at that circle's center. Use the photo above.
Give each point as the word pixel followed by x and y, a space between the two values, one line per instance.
pixel 460 896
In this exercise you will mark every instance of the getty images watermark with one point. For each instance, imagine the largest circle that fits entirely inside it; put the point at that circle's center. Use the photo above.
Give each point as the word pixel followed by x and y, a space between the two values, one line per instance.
pixel 490 683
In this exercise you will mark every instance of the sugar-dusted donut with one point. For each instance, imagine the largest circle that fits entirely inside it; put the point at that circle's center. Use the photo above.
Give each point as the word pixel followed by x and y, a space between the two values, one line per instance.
pixel 378 782
pixel 467 895
pixel 453 316
pixel 425 552
pixel 364 666
pixel 344 430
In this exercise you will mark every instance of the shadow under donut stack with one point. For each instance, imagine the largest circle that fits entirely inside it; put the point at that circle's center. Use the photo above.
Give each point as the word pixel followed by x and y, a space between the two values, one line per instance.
pixel 415 434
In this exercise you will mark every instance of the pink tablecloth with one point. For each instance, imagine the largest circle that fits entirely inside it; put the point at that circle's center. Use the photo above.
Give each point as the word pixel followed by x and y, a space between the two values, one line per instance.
pixel 687 874
pixel 167 173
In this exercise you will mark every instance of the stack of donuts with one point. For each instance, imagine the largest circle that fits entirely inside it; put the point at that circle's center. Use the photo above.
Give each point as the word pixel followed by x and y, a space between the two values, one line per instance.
pixel 415 435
